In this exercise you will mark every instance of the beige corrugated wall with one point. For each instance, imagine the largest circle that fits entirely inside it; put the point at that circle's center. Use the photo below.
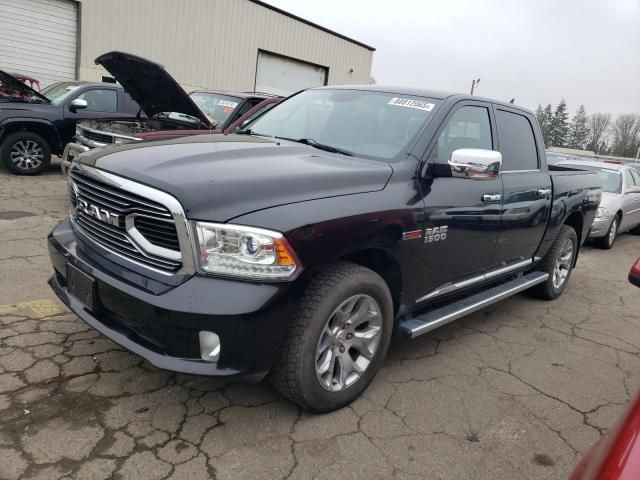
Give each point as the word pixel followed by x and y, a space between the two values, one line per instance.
pixel 211 43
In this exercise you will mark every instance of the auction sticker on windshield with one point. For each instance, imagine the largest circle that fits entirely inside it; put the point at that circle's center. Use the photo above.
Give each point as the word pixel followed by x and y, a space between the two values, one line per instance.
pixel 411 103
pixel 227 103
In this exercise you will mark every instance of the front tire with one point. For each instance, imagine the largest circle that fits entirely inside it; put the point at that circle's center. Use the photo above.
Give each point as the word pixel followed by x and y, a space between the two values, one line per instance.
pixel 558 263
pixel 609 239
pixel 25 153
pixel 337 339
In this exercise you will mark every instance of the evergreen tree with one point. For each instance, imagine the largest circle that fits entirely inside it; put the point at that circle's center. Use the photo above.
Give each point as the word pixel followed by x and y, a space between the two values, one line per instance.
pixel 559 125
pixel 548 118
pixel 578 131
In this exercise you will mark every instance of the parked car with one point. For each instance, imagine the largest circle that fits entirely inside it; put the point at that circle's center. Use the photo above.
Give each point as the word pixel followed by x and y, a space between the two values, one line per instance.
pixel 615 456
pixel 7 91
pixel 634 274
pixel 35 125
pixel 556 157
pixel 619 209
pixel 170 112
pixel 298 246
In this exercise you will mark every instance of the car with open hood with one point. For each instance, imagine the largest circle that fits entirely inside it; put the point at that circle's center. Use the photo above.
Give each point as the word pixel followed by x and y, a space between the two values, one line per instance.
pixel 166 110
pixel 35 125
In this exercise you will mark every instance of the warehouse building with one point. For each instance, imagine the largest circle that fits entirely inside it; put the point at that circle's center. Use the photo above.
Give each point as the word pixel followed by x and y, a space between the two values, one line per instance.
pixel 241 45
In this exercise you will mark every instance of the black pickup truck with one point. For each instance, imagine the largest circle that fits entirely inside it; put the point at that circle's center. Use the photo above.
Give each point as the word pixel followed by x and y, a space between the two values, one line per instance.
pixel 301 244
pixel 35 125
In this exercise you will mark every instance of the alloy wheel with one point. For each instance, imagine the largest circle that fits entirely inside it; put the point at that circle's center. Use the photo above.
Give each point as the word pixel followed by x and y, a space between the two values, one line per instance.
pixel 26 154
pixel 613 231
pixel 348 342
pixel 562 265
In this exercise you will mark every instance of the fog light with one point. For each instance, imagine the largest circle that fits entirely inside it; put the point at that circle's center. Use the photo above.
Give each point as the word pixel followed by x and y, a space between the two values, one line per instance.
pixel 209 346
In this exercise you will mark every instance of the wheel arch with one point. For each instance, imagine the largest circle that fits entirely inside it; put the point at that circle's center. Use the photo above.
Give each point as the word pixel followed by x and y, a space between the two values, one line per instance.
pixel 40 127
pixel 385 265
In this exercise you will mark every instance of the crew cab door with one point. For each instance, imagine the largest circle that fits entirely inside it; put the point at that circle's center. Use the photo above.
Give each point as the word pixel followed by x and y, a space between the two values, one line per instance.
pixel 102 102
pixel 527 188
pixel 462 215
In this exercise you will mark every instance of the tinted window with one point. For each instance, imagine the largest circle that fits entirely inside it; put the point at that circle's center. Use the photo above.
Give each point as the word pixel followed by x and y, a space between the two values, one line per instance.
pixel 636 177
pixel 130 105
pixel 468 127
pixel 99 100
pixel 517 142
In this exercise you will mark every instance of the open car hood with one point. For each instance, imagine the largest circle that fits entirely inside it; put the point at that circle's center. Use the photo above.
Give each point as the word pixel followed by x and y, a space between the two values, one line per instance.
pixel 9 81
pixel 150 85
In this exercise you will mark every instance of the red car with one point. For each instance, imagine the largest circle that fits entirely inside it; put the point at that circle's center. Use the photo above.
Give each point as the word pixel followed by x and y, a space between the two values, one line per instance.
pixel 8 91
pixel 617 455
pixel 166 110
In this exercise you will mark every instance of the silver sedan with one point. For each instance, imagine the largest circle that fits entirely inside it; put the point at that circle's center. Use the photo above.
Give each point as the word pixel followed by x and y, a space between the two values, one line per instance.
pixel 619 209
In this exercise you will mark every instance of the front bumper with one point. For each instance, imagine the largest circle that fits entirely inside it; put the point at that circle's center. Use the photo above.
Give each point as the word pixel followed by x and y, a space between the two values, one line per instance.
pixel 600 227
pixel 162 325
pixel 71 151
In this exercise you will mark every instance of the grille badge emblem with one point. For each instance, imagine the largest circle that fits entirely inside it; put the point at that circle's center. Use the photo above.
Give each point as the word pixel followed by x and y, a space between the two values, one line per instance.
pixel 101 214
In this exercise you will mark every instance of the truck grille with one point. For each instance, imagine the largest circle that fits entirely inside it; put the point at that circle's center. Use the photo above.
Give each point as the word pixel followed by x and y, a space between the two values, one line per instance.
pixel 97 137
pixel 100 210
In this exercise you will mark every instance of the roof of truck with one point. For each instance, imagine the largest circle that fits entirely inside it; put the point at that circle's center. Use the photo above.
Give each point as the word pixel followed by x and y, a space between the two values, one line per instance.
pixel 423 92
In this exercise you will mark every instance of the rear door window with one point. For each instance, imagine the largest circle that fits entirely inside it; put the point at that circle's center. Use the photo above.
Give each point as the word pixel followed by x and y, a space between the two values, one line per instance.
pixel 636 177
pixel 517 142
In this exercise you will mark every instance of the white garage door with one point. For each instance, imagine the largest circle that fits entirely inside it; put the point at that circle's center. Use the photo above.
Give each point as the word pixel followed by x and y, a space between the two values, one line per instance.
pixel 38 38
pixel 283 76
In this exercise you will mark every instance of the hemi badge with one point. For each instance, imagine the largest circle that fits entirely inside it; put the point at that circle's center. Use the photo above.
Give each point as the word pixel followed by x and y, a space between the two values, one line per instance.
pixel 412 235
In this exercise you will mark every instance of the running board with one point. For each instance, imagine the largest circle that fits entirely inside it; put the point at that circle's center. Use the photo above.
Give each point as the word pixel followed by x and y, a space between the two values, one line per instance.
pixel 416 326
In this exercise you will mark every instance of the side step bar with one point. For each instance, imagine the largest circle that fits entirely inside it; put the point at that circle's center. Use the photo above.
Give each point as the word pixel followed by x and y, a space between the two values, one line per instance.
pixel 419 325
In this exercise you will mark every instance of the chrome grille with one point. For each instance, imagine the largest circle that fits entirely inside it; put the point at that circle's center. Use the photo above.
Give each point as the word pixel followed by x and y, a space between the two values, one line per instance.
pixel 151 219
pixel 97 137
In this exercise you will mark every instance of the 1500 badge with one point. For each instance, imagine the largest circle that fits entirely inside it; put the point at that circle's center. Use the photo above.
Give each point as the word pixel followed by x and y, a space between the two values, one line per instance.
pixel 435 234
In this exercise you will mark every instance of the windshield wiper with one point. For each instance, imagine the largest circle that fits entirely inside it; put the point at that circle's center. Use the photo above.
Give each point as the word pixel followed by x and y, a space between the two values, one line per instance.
pixel 320 146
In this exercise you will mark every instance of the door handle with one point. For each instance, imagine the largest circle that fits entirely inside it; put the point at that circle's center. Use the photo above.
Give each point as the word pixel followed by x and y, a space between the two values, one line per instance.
pixel 491 197
pixel 543 192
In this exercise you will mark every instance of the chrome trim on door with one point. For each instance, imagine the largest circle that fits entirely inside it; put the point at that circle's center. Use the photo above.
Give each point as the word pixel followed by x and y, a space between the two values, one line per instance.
pixel 452 287
pixel 507 269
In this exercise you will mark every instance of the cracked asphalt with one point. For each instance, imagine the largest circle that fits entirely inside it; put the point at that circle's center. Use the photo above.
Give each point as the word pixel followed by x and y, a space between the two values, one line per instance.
pixel 518 391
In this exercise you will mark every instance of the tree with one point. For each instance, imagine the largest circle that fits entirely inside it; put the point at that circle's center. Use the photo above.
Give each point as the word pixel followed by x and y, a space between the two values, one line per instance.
pixel 598 125
pixel 626 135
pixel 544 119
pixel 559 125
pixel 578 130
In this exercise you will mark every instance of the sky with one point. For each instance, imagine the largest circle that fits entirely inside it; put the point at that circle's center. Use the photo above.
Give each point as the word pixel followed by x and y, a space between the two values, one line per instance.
pixel 536 51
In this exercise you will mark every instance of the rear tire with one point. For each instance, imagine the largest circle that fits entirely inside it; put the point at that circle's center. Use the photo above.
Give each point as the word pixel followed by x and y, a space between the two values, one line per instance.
pixel 25 153
pixel 558 263
pixel 609 239
pixel 337 339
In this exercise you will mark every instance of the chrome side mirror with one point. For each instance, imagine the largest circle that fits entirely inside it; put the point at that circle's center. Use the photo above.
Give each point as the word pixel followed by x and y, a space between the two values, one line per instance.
pixel 78 104
pixel 475 163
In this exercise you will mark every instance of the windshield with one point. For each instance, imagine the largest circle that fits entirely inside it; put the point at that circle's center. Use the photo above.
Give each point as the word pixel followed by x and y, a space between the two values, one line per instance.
pixel 215 106
pixel 58 92
pixel 375 125
pixel 611 181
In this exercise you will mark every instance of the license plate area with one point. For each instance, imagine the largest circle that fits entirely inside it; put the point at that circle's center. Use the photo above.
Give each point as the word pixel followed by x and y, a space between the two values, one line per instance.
pixel 81 286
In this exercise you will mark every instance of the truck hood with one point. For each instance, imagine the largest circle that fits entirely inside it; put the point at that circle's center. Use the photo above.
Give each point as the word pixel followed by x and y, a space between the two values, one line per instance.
pixel 219 177
pixel 150 85
pixel 22 89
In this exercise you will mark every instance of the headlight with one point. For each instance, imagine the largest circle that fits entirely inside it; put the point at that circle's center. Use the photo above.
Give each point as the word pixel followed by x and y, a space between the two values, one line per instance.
pixel 245 252
pixel 120 140
pixel 601 211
